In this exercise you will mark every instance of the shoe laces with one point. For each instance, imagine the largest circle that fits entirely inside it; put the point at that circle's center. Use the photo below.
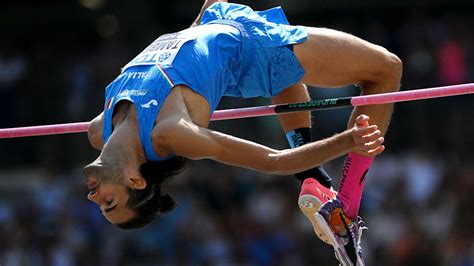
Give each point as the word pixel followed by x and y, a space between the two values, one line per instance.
pixel 355 230
pixel 360 229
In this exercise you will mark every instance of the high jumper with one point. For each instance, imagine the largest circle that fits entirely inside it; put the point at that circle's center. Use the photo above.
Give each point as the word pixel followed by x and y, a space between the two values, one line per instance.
pixel 156 114
pixel 157 110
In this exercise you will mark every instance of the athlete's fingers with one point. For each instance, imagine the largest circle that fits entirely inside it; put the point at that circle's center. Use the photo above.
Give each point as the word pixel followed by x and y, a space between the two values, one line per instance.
pixel 377 151
pixel 214 1
pixel 362 136
pixel 363 131
pixel 372 136
pixel 368 146
pixel 208 3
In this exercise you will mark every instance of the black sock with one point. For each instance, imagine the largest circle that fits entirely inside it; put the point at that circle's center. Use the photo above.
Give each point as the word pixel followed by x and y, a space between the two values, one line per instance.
pixel 297 138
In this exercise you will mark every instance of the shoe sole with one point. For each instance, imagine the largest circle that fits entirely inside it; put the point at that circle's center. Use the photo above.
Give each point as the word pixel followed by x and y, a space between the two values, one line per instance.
pixel 335 241
pixel 309 206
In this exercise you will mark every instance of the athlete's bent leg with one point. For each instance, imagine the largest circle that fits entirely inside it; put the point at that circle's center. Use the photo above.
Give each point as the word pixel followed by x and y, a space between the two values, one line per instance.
pixel 293 94
pixel 316 184
pixel 297 127
pixel 333 59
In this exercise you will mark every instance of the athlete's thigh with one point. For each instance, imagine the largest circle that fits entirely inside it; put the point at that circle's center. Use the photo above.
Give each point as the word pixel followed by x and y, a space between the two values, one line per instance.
pixel 333 58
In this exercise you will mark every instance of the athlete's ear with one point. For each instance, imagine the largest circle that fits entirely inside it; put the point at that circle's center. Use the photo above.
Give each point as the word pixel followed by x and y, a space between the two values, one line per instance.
pixel 136 182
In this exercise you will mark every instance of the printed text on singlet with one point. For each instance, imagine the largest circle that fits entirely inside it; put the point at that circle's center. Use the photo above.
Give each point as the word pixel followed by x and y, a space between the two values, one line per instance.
pixel 162 51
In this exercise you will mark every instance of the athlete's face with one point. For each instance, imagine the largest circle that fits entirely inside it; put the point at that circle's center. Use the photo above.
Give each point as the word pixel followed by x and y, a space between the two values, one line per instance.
pixel 109 192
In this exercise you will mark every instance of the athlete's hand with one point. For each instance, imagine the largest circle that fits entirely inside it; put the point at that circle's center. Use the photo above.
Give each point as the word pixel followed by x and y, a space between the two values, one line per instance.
pixel 208 3
pixel 214 1
pixel 368 138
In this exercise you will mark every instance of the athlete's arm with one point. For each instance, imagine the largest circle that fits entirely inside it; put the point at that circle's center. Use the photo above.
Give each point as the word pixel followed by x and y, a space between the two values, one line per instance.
pixel 189 140
pixel 207 3
pixel 94 132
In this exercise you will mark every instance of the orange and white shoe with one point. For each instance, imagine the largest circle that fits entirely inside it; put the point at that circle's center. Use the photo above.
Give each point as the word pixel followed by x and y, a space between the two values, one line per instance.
pixel 312 196
pixel 344 234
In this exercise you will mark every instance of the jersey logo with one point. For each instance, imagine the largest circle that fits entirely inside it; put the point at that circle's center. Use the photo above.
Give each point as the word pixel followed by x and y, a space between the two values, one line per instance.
pixel 149 104
pixel 162 58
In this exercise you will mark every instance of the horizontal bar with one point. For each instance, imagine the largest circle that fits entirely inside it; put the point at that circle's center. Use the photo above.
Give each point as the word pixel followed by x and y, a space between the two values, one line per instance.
pixel 412 95
pixel 18 132
pixel 391 97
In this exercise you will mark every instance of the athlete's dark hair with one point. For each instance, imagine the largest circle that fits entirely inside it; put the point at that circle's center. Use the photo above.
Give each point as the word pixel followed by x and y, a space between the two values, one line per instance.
pixel 150 201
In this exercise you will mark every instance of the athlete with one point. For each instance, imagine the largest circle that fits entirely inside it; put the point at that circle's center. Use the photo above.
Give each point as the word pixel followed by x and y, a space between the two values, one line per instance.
pixel 157 110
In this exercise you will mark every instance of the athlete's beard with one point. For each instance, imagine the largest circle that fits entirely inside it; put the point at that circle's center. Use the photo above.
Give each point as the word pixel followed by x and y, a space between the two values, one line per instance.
pixel 108 168
pixel 118 157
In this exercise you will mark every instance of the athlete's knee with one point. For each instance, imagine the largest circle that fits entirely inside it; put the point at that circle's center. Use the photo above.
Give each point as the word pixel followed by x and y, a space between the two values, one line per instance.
pixel 394 70
pixel 387 77
pixel 295 93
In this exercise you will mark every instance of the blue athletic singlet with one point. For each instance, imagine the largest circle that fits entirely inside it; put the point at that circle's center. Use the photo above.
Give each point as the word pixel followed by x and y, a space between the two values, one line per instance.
pixel 234 52
pixel 146 87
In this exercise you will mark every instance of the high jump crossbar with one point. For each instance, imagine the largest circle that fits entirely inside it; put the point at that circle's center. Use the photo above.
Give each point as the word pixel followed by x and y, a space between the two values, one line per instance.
pixel 391 97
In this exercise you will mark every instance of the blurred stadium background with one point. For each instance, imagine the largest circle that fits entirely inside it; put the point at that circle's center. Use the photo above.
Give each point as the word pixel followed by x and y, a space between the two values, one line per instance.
pixel 56 58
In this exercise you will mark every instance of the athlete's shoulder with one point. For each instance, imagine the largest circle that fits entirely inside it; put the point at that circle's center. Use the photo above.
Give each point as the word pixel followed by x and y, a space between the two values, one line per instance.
pixel 94 132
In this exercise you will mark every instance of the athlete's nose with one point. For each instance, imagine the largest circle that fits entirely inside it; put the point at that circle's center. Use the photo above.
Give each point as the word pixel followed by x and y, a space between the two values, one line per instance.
pixel 93 196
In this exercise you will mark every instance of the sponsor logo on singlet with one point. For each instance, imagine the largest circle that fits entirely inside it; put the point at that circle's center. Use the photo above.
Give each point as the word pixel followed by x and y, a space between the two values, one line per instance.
pixel 126 93
pixel 149 104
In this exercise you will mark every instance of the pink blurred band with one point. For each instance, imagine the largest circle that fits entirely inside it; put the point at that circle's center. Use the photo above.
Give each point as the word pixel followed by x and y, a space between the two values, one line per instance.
pixel 243 112
pixel 411 95
pixel 57 129
pixel 18 132
pixel 256 111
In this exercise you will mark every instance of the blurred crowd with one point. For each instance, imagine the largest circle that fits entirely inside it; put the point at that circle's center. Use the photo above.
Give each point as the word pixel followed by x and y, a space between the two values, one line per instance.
pixel 419 197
